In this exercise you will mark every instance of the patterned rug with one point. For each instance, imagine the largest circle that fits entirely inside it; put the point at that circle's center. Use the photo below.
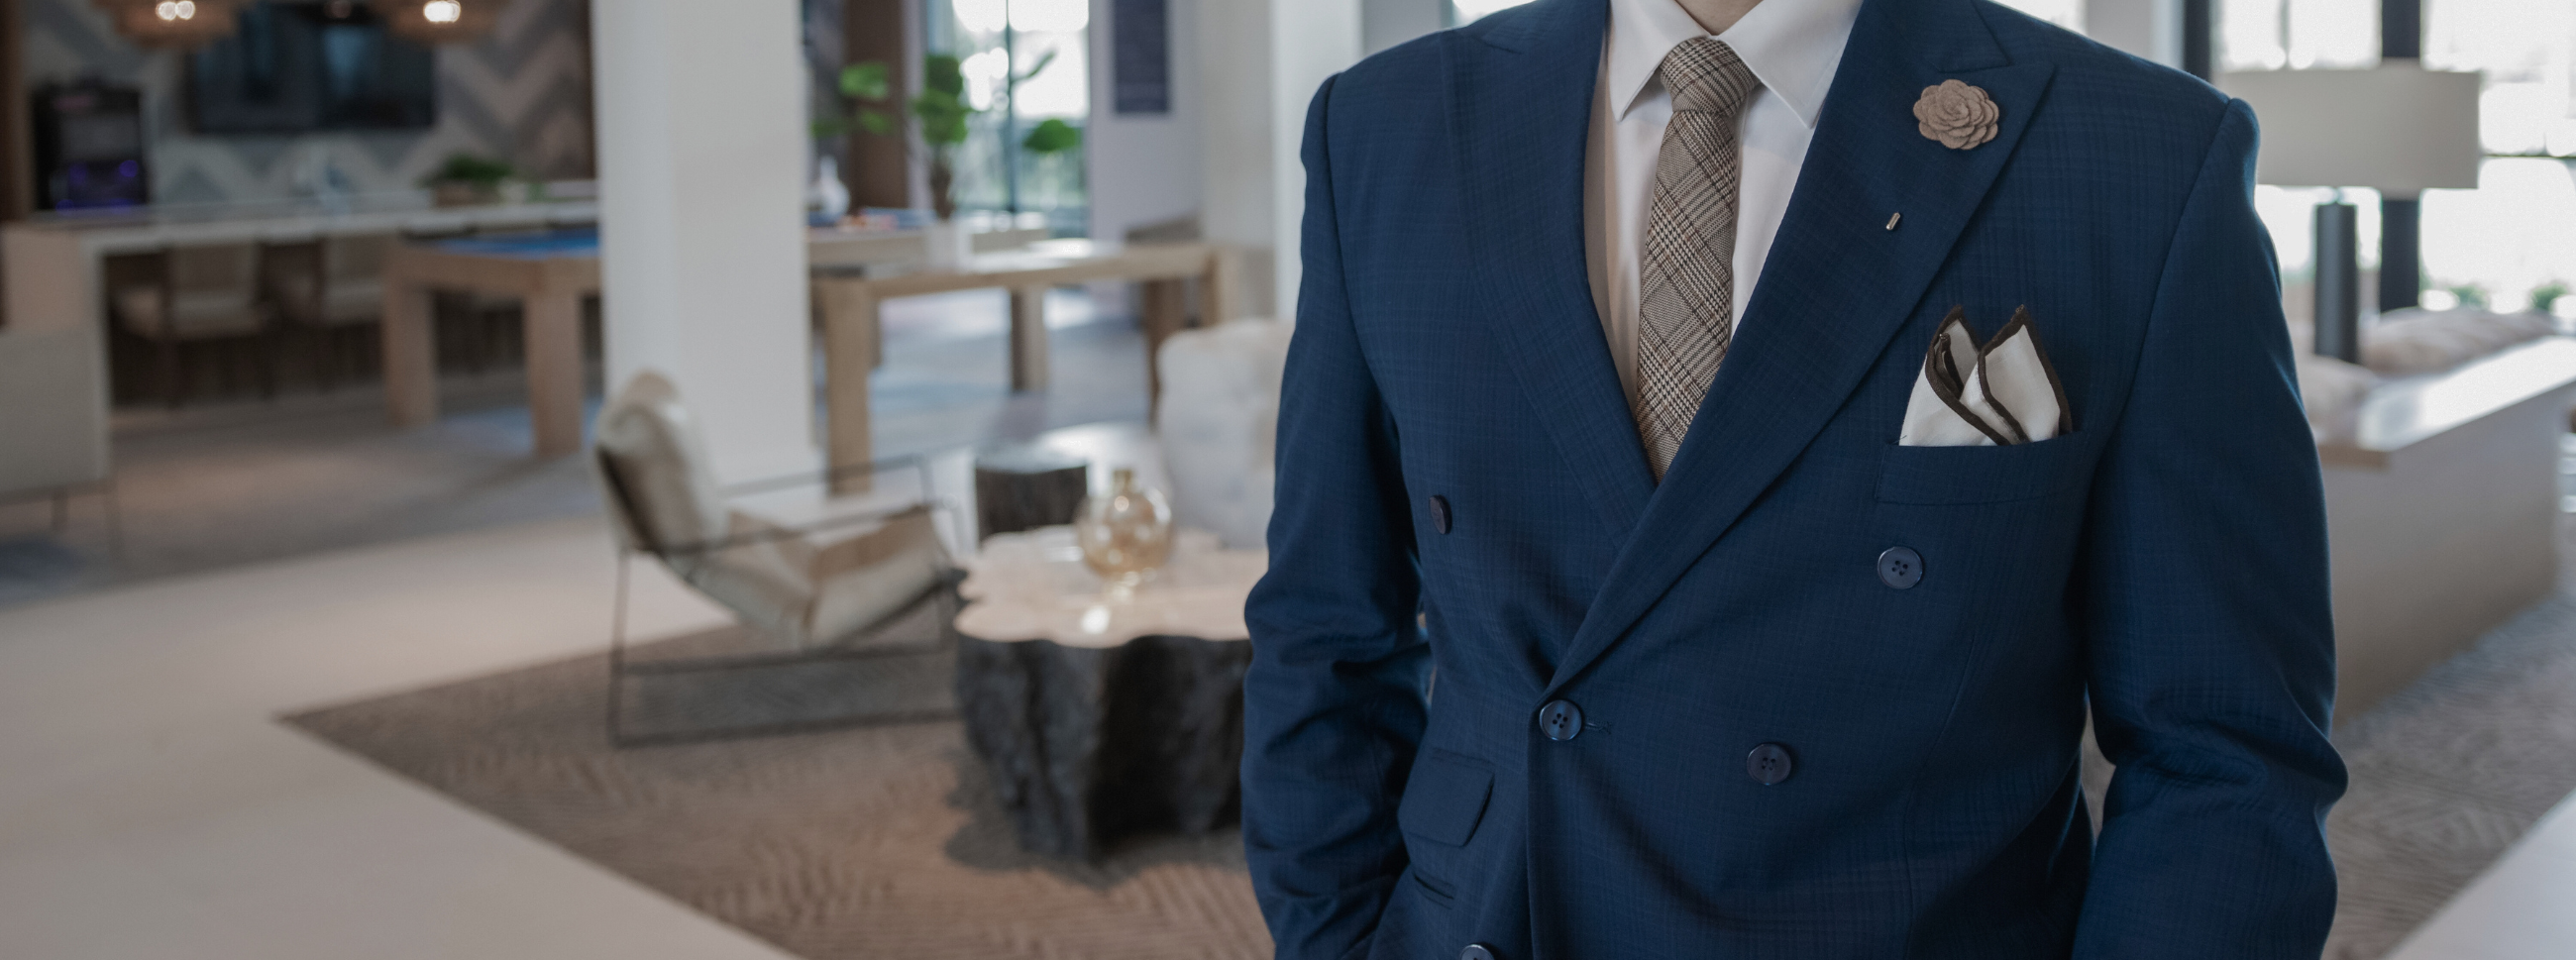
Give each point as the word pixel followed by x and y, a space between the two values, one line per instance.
pixel 886 841
pixel 2448 773
pixel 880 841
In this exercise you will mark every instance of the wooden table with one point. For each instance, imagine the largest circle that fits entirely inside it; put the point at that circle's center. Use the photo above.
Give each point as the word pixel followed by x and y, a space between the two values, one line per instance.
pixel 852 335
pixel 54 267
pixel 549 272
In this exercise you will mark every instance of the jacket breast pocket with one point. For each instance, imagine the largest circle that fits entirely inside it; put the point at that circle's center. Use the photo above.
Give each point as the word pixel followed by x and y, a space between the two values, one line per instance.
pixel 1970 475
pixel 1444 798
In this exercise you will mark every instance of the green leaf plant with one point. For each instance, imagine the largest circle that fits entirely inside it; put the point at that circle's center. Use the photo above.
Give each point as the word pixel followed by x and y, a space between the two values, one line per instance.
pixel 939 114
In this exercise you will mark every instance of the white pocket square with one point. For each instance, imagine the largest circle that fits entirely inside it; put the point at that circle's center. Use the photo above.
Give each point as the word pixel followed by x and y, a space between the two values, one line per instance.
pixel 2002 393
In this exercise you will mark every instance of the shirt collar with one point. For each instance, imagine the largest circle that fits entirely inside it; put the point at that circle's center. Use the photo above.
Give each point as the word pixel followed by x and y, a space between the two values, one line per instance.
pixel 1792 46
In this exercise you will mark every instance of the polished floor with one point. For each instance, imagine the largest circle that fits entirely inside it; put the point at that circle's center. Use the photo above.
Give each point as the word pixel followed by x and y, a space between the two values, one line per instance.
pixel 217 484
pixel 154 807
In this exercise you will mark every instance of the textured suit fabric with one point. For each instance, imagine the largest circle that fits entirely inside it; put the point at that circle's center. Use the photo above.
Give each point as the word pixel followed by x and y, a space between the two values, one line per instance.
pixel 2166 555
pixel 1687 267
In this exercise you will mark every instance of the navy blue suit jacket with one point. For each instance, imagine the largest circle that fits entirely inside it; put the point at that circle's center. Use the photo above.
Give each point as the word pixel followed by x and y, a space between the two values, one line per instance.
pixel 2168 556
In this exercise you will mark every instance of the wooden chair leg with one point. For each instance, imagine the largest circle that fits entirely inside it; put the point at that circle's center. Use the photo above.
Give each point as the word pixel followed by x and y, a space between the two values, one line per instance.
pixel 325 349
pixel 171 387
pixel 264 352
pixel 477 330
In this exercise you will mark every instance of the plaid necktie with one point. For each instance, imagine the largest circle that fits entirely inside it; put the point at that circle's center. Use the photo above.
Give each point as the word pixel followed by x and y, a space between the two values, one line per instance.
pixel 1686 267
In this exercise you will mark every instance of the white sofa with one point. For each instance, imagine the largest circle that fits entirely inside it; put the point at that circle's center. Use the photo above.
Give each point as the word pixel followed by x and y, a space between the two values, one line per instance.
pixel 1218 421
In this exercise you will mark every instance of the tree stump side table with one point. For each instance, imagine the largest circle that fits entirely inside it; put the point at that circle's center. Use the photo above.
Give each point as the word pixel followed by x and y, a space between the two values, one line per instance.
pixel 1100 718
pixel 1022 487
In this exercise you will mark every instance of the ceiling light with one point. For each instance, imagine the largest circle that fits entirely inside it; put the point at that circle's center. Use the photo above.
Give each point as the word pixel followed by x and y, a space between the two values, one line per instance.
pixel 440 21
pixel 170 24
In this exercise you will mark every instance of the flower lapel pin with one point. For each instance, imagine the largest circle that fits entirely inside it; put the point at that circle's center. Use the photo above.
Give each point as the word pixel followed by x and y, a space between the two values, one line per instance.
pixel 1957 114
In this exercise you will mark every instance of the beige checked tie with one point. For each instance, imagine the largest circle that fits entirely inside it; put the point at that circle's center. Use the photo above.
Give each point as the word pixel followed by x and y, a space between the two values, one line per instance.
pixel 1686 268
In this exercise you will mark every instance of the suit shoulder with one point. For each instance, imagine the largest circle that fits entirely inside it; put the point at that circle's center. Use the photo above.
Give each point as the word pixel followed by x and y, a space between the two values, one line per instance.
pixel 1401 87
pixel 1396 74
pixel 2098 83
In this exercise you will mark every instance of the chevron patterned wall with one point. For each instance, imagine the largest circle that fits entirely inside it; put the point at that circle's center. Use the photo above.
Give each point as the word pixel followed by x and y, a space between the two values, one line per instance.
pixel 522 94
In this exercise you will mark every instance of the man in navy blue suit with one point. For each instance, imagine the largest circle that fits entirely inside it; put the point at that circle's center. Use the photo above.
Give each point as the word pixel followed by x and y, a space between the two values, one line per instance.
pixel 1608 617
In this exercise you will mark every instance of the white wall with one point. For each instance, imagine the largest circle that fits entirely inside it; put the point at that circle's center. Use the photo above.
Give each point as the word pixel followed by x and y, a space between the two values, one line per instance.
pixel 1385 23
pixel 1143 168
pixel 1261 62
pixel 2145 28
pixel 701 158
pixel 497 97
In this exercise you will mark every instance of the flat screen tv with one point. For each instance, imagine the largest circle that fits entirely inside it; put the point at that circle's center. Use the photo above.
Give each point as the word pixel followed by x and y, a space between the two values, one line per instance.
pixel 300 67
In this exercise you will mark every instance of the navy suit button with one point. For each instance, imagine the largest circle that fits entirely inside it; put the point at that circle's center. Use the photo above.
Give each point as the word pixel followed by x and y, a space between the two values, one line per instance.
pixel 1476 951
pixel 1900 567
pixel 1560 720
pixel 1769 764
pixel 1440 513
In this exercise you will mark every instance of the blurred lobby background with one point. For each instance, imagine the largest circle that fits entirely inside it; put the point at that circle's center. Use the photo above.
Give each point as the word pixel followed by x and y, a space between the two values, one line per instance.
pixel 494 478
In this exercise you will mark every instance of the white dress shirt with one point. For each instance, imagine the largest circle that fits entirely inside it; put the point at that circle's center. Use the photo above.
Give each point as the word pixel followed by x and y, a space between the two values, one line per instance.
pixel 1792 47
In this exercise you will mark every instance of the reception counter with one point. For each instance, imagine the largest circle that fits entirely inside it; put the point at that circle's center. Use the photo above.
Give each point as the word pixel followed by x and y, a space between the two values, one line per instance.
pixel 2443 507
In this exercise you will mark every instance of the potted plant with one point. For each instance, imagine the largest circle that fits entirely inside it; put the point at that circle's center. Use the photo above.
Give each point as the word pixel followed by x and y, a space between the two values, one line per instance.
pixel 466 180
pixel 1052 142
pixel 939 113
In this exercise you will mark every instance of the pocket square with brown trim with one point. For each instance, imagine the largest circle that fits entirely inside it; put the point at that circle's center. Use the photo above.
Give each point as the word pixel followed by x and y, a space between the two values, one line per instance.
pixel 2001 393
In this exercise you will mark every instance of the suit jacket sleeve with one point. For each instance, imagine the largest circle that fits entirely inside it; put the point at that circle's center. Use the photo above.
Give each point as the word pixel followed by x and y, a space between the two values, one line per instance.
pixel 1334 699
pixel 2205 609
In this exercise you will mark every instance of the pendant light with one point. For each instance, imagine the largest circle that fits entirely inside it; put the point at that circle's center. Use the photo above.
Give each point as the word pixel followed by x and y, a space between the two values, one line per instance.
pixel 171 24
pixel 440 21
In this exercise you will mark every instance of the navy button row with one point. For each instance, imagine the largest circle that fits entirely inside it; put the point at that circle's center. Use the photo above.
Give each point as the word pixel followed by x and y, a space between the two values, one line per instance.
pixel 1768 764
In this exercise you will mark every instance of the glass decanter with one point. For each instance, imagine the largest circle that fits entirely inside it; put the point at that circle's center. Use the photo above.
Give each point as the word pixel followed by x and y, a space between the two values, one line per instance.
pixel 1125 533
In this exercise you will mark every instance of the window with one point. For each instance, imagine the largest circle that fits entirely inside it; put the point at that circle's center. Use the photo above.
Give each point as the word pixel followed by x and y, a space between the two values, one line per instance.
pixel 1000 45
pixel 2064 13
pixel 2516 233
pixel 2513 235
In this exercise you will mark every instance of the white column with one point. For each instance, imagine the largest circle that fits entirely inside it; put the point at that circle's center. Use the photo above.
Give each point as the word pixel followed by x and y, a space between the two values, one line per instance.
pixel 2151 29
pixel 702 240
pixel 1261 62
pixel 1385 23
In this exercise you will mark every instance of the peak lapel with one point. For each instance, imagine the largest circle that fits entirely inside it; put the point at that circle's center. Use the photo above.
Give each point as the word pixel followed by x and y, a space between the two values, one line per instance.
pixel 1837 286
pixel 1520 108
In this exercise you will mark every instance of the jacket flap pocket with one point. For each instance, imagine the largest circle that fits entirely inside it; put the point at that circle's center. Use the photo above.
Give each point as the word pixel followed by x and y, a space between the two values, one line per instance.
pixel 1445 798
pixel 1957 475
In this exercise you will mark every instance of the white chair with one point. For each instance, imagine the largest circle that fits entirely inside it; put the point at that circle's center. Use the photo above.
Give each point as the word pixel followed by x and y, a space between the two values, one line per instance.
pixel 818 589
pixel 207 293
pixel 343 293
pixel 1218 422
pixel 53 418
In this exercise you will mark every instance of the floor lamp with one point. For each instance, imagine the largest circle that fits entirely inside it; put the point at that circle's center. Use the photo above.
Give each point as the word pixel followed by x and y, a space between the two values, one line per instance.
pixel 2398 129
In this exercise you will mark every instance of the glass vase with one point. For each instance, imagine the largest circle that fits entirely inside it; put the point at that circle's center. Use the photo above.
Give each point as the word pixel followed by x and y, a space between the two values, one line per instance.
pixel 1125 533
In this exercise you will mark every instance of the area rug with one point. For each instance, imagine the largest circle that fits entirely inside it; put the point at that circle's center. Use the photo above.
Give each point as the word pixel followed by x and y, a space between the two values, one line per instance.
pixel 881 841
pixel 2448 773
pixel 886 841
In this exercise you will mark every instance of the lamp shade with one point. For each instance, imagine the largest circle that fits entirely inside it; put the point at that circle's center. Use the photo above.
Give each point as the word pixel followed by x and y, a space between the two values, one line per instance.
pixel 2397 129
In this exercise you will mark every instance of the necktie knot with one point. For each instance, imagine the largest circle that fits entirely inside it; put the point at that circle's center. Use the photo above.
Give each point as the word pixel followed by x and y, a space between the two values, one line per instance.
pixel 1705 75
